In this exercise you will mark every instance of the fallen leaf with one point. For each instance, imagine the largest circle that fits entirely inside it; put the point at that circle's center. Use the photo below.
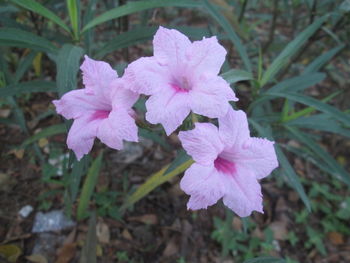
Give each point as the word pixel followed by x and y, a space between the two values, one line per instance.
pixel 43 142
pixel 126 234
pixel 66 253
pixel 10 252
pixel 37 258
pixel 279 230
pixel 149 219
pixel 4 113
pixel 171 248
pixel 18 153
pixel 102 232
pixel 336 238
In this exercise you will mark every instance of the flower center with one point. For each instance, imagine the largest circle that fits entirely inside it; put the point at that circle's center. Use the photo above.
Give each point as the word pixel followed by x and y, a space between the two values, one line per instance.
pixel 181 86
pixel 100 115
pixel 224 166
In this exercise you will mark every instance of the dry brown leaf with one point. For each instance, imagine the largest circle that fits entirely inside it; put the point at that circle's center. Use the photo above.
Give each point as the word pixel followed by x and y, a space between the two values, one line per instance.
pixel 126 234
pixel 66 253
pixel 43 142
pixel 37 258
pixel 279 230
pixel 237 223
pixel 171 248
pixel 336 238
pixel 149 219
pixel 102 232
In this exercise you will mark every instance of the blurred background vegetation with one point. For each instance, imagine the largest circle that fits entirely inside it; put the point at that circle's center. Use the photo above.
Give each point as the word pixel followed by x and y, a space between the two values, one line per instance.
pixel 289 63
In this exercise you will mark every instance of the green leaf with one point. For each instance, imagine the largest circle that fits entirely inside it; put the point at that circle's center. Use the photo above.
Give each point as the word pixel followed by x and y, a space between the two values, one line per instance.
pixel 181 158
pixel 338 171
pixel 319 105
pixel 88 187
pixel 88 253
pixel 44 133
pixel 68 62
pixel 236 75
pixel 36 7
pixel 291 49
pixel 153 182
pixel 24 65
pixel 14 37
pixel 320 61
pixel 133 7
pixel 28 87
pixel 72 6
pixel 221 19
pixel 265 260
pixel 154 137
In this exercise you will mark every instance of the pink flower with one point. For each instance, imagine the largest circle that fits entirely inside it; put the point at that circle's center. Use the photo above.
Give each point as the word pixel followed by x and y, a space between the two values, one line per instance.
pixel 102 109
pixel 180 77
pixel 228 164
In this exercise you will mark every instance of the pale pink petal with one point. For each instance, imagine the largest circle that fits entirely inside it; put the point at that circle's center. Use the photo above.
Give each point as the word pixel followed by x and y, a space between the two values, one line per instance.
pixel 258 155
pixel 146 76
pixel 202 143
pixel 206 55
pixel 233 128
pixel 121 96
pixel 243 192
pixel 97 75
pixel 170 47
pixel 117 127
pixel 169 108
pixel 204 185
pixel 82 134
pixel 76 103
pixel 211 97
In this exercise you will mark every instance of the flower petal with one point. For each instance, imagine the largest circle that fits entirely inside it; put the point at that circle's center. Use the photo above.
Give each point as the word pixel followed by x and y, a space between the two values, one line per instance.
pixel 258 155
pixel 121 96
pixel 206 55
pixel 117 127
pixel 82 134
pixel 77 103
pixel 204 185
pixel 169 108
pixel 243 192
pixel 202 143
pixel 210 97
pixel 170 47
pixel 97 75
pixel 146 76
pixel 233 128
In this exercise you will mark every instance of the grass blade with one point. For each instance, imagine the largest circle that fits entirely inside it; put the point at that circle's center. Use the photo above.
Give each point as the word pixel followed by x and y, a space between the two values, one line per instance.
pixel 28 87
pixel 72 6
pixel 291 49
pixel 46 132
pixel 88 253
pixel 88 187
pixel 36 7
pixel 133 7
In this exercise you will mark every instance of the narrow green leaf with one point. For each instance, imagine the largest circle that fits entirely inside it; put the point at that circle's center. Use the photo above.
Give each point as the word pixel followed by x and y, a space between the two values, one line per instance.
pixel 133 7
pixel 24 65
pixel 154 137
pixel 236 75
pixel 319 105
pixel 265 260
pixel 153 182
pixel 320 61
pixel 181 158
pixel 221 19
pixel 68 62
pixel 73 15
pixel 36 7
pixel 338 171
pixel 291 49
pixel 28 87
pixel 14 37
pixel 88 187
pixel 88 253
pixel 44 133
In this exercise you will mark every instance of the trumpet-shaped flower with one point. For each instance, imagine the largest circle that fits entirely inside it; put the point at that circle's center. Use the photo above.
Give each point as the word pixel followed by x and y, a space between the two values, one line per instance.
pixel 102 109
pixel 182 76
pixel 228 164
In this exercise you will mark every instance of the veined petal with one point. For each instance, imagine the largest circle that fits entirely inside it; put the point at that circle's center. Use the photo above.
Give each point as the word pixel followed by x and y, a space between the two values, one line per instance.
pixel 210 97
pixel 117 127
pixel 170 47
pixel 243 192
pixel 202 143
pixel 206 55
pixel 233 128
pixel 204 185
pixel 97 75
pixel 146 76
pixel 257 155
pixel 121 96
pixel 77 103
pixel 82 134
pixel 169 108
